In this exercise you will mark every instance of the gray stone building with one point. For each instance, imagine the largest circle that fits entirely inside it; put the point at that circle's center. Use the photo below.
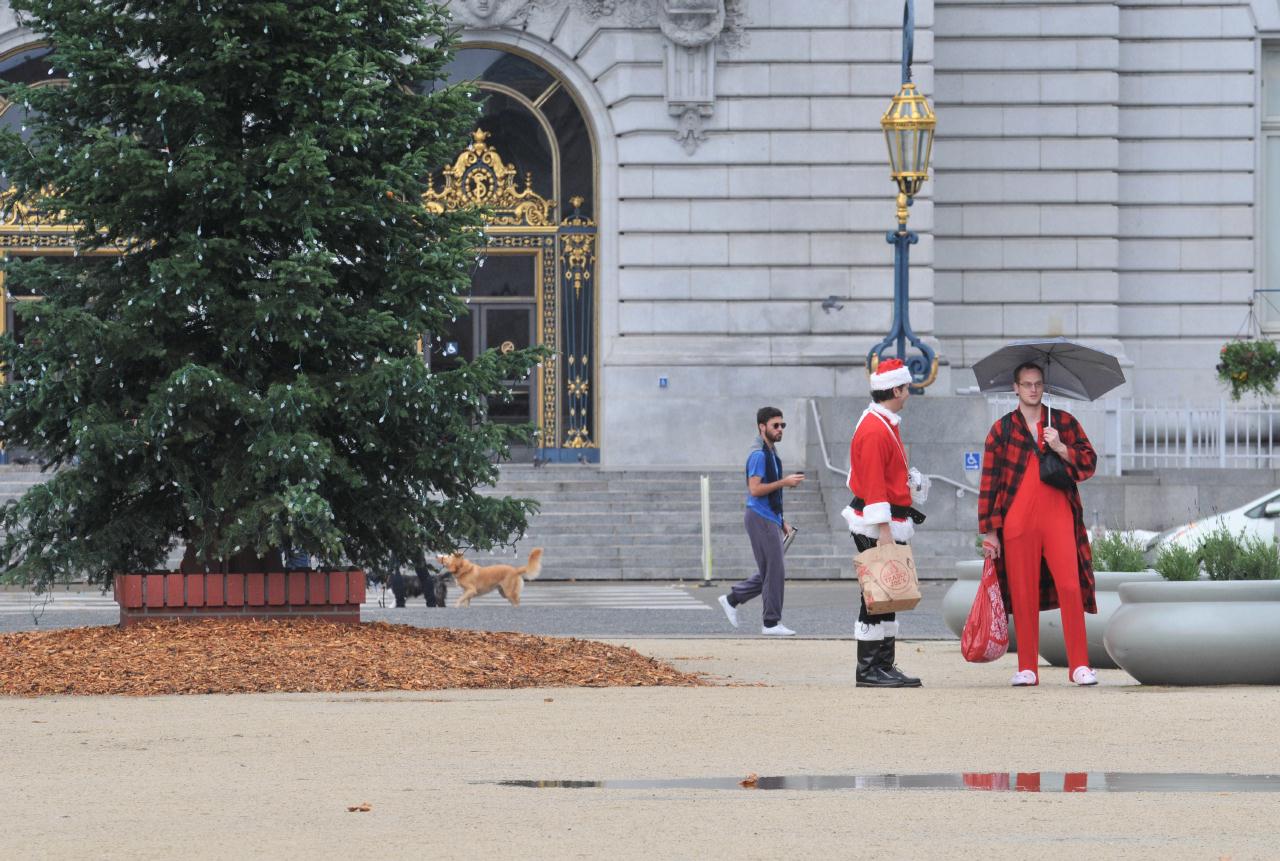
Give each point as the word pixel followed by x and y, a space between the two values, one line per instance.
pixel 692 197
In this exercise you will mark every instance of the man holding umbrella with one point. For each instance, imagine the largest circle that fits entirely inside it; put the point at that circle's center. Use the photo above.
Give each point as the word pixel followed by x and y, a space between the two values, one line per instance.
pixel 1029 509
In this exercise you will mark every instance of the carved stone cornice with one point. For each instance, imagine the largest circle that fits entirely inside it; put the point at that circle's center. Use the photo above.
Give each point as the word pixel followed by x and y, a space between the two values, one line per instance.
pixel 691 23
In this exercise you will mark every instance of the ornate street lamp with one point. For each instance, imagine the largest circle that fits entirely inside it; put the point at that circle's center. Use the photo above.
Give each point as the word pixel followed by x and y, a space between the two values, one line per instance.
pixel 908 130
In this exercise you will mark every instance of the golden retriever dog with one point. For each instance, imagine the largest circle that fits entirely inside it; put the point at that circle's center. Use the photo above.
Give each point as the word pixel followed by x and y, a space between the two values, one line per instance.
pixel 477 580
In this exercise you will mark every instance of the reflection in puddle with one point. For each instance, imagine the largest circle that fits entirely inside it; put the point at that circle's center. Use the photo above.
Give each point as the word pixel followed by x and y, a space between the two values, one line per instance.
pixel 999 781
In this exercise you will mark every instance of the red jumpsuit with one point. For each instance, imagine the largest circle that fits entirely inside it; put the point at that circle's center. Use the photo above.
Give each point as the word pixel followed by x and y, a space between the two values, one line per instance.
pixel 1040 524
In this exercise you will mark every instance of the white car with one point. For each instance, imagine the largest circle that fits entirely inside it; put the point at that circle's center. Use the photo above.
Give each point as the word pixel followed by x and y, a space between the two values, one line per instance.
pixel 1255 519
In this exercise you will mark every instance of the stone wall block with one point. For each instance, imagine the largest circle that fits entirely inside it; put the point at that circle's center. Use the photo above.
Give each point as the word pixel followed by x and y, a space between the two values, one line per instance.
pixel 1079 87
pixel 1040 253
pixel 999 286
pixel 1081 220
pixel 765 249
pixel 1188 88
pixel 1150 321
pixel 730 283
pixel 642 283
pixel 746 318
pixel 1081 153
pixel 731 215
pixel 1043 320
pixel 1081 286
pixel 654 215
pixel 766 113
pixel 690 181
pixel 1096 319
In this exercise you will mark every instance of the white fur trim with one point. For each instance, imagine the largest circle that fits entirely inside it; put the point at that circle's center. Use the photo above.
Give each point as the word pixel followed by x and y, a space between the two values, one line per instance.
pixel 868 633
pixel 890 629
pixel 885 412
pixel 877 512
pixel 902 530
pixel 890 379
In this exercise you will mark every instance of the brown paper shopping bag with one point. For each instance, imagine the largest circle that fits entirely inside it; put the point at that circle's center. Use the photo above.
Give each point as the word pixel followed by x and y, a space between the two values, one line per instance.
pixel 888 577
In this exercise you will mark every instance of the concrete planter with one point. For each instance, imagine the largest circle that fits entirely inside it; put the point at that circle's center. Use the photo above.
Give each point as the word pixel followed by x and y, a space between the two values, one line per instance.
pixel 335 596
pixel 1198 633
pixel 958 599
pixel 1053 647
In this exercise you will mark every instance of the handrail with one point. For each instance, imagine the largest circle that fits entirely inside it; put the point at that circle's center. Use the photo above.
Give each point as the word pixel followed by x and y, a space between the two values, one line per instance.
pixel 961 489
pixel 822 442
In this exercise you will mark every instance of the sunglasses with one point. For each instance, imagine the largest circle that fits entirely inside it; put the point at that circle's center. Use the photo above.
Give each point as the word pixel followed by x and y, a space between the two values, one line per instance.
pixel 777 426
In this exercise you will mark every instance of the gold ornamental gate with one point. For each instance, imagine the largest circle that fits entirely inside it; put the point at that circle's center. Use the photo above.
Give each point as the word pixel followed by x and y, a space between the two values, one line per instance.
pixel 544 264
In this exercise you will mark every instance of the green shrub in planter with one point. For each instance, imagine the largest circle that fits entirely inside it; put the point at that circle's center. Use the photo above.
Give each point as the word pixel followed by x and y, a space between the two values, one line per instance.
pixel 1118 551
pixel 1219 552
pixel 1175 562
pixel 1236 557
pixel 1259 560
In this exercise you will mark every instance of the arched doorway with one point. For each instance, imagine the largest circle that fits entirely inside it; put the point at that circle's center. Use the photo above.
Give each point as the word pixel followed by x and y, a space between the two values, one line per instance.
pixel 532 163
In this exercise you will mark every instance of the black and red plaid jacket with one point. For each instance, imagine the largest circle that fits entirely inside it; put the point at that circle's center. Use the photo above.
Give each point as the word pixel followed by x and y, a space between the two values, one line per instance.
pixel 1005 461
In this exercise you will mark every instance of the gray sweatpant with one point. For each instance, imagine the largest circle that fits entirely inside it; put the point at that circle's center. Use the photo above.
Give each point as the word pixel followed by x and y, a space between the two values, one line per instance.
pixel 766 544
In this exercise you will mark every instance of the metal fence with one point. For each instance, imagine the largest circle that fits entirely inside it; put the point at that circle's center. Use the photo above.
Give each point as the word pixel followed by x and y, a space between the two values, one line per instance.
pixel 1130 434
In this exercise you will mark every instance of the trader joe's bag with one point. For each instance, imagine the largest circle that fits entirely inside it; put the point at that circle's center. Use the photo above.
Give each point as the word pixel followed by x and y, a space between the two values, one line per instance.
pixel 888 577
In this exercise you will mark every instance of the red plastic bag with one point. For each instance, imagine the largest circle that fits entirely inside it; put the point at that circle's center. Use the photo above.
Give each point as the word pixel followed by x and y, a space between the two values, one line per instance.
pixel 986 631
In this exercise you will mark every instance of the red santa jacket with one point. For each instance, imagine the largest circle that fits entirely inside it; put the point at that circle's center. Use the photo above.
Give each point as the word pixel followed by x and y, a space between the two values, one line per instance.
pixel 878 475
pixel 1009 453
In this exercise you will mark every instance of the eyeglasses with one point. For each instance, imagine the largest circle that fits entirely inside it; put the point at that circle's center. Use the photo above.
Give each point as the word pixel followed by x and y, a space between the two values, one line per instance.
pixel 1038 384
pixel 777 426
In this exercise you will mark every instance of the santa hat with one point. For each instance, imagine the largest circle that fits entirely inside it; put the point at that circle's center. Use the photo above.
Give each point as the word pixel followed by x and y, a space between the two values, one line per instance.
pixel 890 374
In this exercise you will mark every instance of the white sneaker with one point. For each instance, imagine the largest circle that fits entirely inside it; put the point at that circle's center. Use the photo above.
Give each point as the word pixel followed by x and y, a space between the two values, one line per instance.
pixel 1084 676
pixel 778 630
pixel 1024 679
pixel 730 611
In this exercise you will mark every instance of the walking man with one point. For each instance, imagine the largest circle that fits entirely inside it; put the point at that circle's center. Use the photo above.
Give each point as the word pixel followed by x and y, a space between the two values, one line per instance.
pixel 765 525
pixel 881 512
pixel 1035 531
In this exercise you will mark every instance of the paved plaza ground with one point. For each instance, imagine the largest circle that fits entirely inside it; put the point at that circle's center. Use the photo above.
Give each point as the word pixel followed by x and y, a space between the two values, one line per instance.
pixel 272 776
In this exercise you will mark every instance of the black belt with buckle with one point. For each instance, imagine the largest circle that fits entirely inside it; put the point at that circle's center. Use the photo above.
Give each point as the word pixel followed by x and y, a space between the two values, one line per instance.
pixel 899 512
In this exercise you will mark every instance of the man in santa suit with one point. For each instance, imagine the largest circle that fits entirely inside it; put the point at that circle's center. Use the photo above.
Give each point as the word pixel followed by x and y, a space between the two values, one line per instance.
pixel 881 512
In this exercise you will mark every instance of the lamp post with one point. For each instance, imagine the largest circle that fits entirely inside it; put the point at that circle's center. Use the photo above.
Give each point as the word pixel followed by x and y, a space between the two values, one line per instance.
pixel 908 130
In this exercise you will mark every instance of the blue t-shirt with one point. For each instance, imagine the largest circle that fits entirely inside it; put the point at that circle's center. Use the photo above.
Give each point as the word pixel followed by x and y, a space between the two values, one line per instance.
pixel 760 504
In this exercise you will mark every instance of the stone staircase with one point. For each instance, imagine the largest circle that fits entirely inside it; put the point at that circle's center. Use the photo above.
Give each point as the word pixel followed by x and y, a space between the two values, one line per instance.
pixel 643 525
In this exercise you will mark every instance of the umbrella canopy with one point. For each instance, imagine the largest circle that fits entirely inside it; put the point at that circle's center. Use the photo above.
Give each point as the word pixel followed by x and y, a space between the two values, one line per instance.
pixel 1070 369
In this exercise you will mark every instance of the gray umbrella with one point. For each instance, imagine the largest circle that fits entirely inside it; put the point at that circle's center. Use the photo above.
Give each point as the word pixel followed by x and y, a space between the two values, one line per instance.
pixel 1070 369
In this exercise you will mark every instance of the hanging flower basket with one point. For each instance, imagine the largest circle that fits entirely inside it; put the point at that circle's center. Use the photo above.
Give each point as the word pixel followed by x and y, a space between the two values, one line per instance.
pixel 1249 366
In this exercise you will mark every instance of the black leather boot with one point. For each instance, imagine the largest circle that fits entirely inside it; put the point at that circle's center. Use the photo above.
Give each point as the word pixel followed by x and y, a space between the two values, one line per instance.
pixel 871 673
pixel 885 653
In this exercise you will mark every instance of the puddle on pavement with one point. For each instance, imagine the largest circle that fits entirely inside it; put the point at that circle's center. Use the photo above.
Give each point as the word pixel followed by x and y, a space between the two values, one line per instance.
pixel 1032 781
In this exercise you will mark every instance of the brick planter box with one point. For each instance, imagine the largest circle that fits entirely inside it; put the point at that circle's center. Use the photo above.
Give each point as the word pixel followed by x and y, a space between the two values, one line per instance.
pixel 335 596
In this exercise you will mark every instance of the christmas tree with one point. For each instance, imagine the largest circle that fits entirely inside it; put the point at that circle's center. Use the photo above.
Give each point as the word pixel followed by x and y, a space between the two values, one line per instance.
pixel 244 377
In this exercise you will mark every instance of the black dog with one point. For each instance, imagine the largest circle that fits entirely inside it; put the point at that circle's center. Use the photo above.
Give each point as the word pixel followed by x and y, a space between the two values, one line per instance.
pixel 431 586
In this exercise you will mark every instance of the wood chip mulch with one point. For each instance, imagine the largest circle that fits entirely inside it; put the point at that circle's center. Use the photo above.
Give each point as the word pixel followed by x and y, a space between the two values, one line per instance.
pixel 233 657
